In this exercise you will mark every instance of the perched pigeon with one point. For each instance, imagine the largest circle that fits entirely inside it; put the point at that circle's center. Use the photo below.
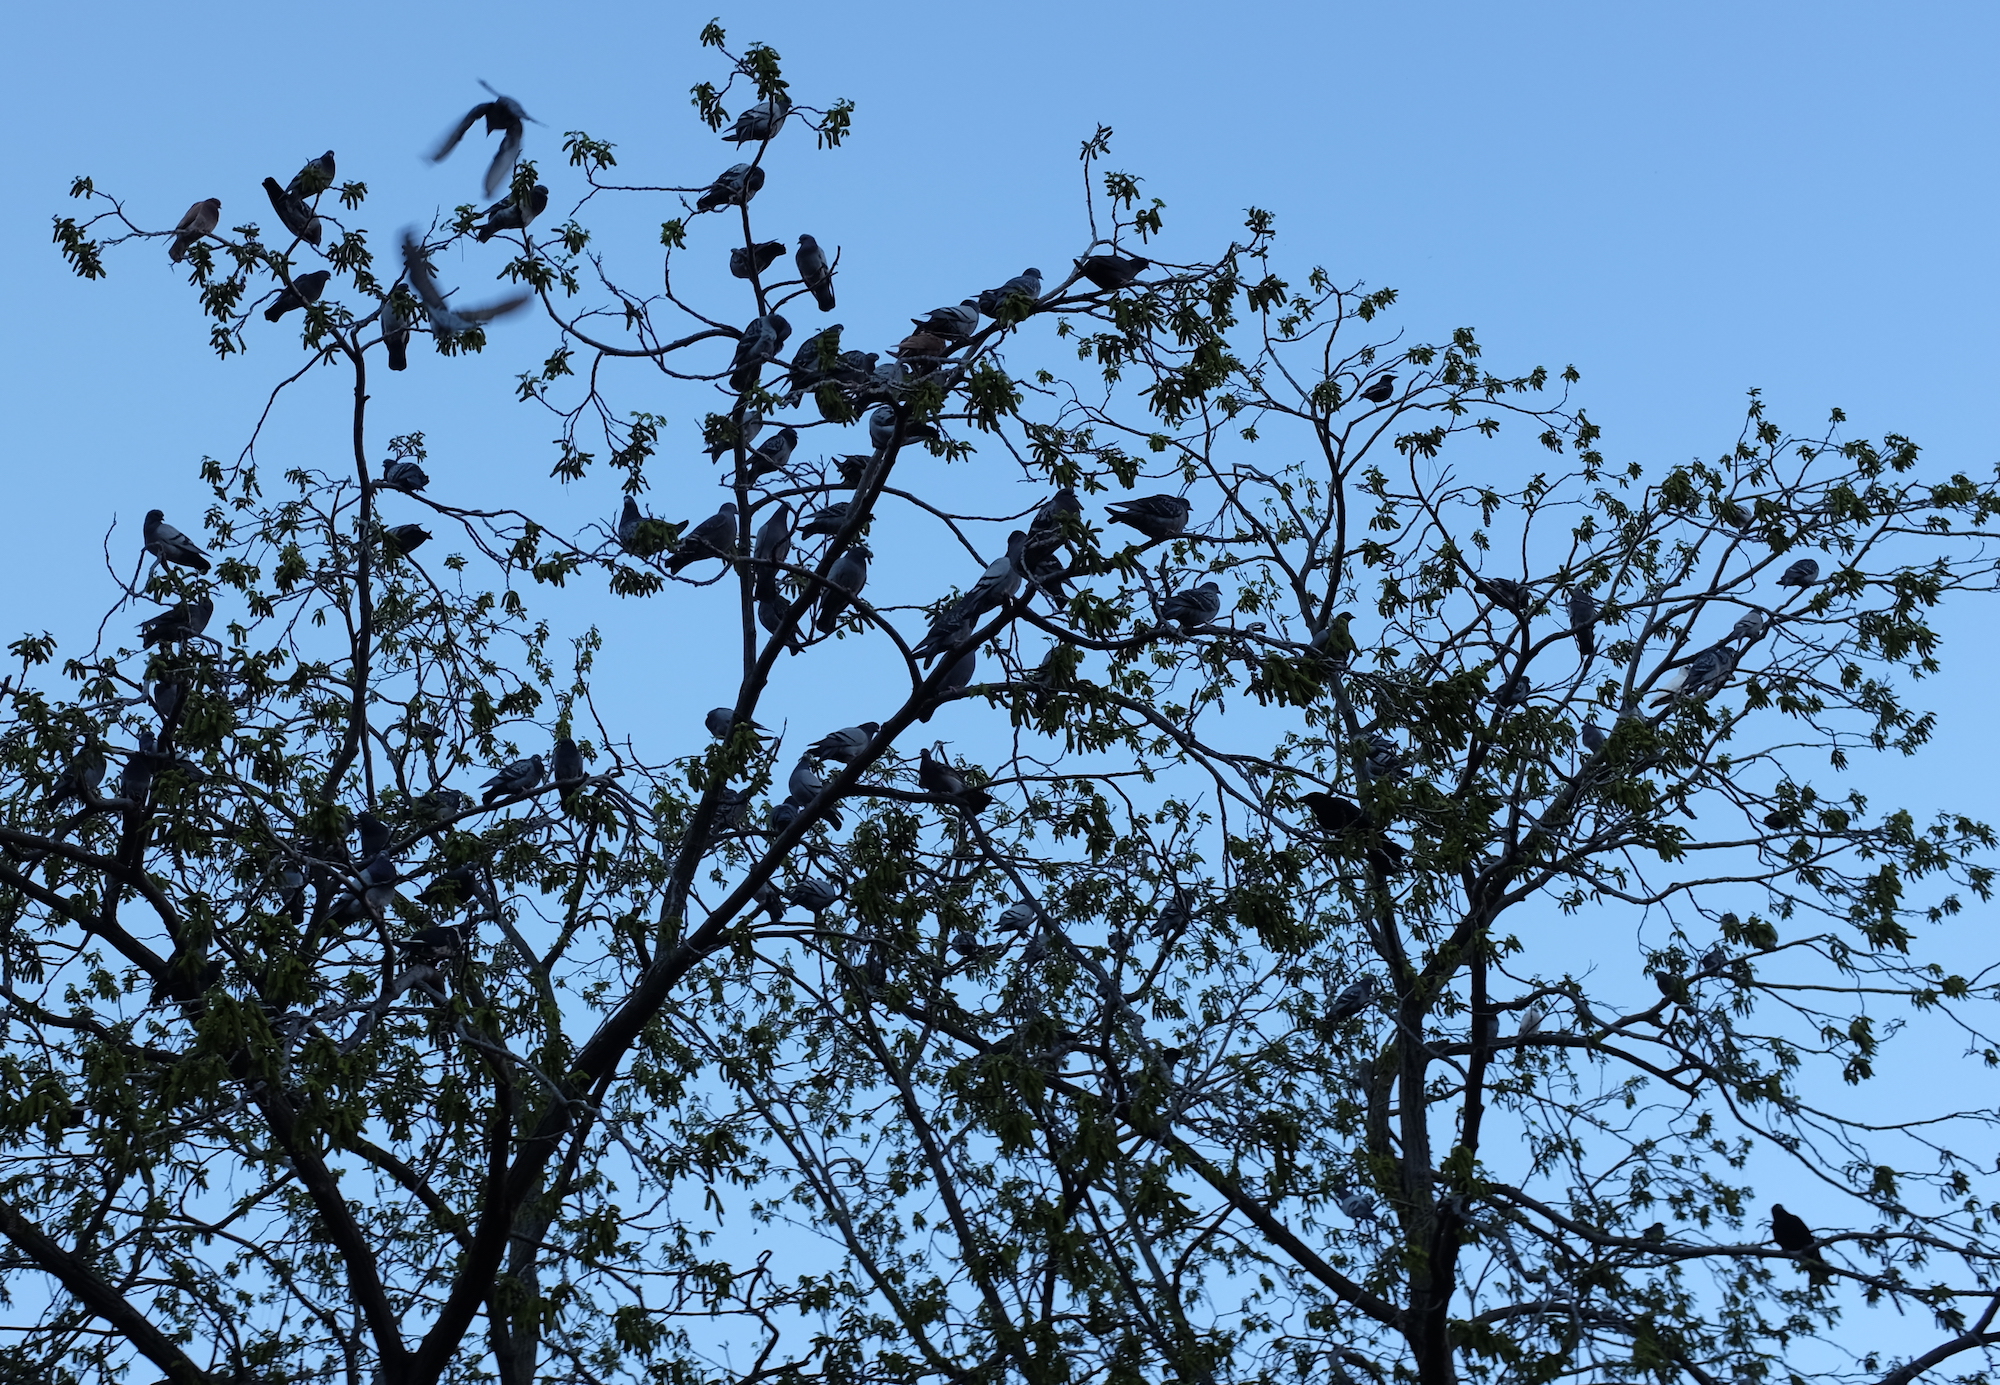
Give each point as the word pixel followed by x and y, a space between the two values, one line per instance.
pixel 1155 516
pixel 170 545
pixel 783 816
pixel 395 334
pixel 734 187
pixel 1112 271
pixel 1801 574
pixel 965 943
pixel 761 341
pixel 845 579
pixel 518 777
pixel 805 782
pixel 814 895
pixel 505 215
pixel 1707 672
pixel 1505 591
pixel 1022 918
pixel 374 834
pixel 999 582
pixel 814 272
pixel 407 538
pixel 818 358
pixel 503 116
pixel 315 178
pixel 1593 736
pixel 921 346
pixel 843 745
pixel 752 425
pixel 1027 285
pixel 1748 626
pixel 721 721
pixel 1352 1000
pixel 959 675
pixel 1583 611
pixel 437 946
pixel 405 476
pixel 446 320
pixel 771 454
pixel 1380 390
pixel 1714 961
pixel 567 766
pixel 953 324
pixel 1532 1019
pixel 1342 820
pixel 1335 642
pixel 182 622
pixel 1357 1205
pixel 80 777
pixel 949 626
pixel 201 220
pixel 1793 1235
pixel 748 261
pixel 135 781
pixel 774 544
pixel 714 537
pixel 294 215
pixel 771 610
pixel 939 776
pixel 882 428
pixel 1195 607
pixel 761 121
pixel 303 290
pixel 1385 757
pixel 165 694
pixel 377 886
pixel 633 534
pixel 826 521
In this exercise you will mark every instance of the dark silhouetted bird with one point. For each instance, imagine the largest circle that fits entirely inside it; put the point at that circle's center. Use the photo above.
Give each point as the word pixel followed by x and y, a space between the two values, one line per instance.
pixel 170 545
pixel 295 216
pixel 396 333
pixel 939 776
pixel 201 219
pixel 826 521
pixel 1795 1236
pixel 815 272
pixel 1801 574
pixel 1112 271
pixel 813 894
pixel 1379 391
pixel 303 290
pixel 959 675
pixel 503 116
pixel 135 781
pixel 953 324
pixel 761 341
pixel 1593 737
pixel 761 121
pixel 1504 591
pixel 733 187
pixel 1583 621
pixel 567 771
pixel 1342 820
pixel 882 428
pixel 1352 1000
pixel 1017 295
pixel 406 538
pixel 516 777
pixel 315 178
pixel 721 721
pixel 403 475
pixel 182 622
pixel 505 215
pixel 374 834
pixel 437 947
pixel 714 537
pixel 80 777
pixel 845 579
pixel 1195 607
pixel 748 261
pixel 771 455
pixel 1155 516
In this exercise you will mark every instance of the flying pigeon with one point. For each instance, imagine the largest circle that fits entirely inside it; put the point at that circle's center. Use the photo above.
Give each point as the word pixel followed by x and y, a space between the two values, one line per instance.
pixel 503 116
pixel 1188 609
pixel 517 777
pixel 1112 271
pixel 734 187
pixel 813 270
pixel 170 545
pixel 303 290
pixel 953 324
pixel 748 261
pixel 293 214
pixel 761 121
pixel 504 215
pixel 1380 390
pixel 714 537
pixel 1155 516
pixel 846 578
pixel 201 219
pixel 446 320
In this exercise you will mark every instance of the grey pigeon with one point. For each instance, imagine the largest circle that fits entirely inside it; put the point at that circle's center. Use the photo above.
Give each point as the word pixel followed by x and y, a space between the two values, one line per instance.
pixel 882 428
pixel 825 522
pixel 814 895
pixel 752 425
pixel 135 781
pixel 201 220
pixel 503 116
pixel 294 215
pixel 1356 1205
pixel 1748 626
pixel 406 539
pixel 1155 516
pixel 517 777
pixel 843 745
pixel 182 622
pixel 1583 621
pixel 567 763
pixel 721 721
pixel 771 454
pixel 395 334
pixel 734 187
pixel 1199 606
pixel 774 544
pixel 761 341
pixel 959 675
pixel 761 121
pixel 315 178
pixel 1801 574
pixel 303 290
pixel 783 816
pixel 805 782
pixel 1380 390
pixel 948 627
pixel 714 537
pixel 405 476
pixel 1385 757
pixel 374 834
pixel 953 324
pixel 936 774
pixel 506 215
pixel 377 880
pixel 771 610
pixel 1706 673
pixel 80 777
pixel 170 545
pixel 1022 918
pixel 1714 961
pixel 1593 737
pixel 815 273
pixel 446 320
pixel 1504 591
pixel 998 583
pixel 1112 271
pixel 748 261
pixel 632 534
pixel 1355 997
pixel 965 943
pixel 818 358
pixel 846 578
pixel 165 694
pixel 1025 285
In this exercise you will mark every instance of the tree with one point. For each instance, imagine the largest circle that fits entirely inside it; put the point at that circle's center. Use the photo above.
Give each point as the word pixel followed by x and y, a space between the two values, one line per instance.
pixel 1218 1032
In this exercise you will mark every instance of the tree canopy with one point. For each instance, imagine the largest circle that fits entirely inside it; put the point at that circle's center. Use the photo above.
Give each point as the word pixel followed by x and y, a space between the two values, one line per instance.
pixel 376 1012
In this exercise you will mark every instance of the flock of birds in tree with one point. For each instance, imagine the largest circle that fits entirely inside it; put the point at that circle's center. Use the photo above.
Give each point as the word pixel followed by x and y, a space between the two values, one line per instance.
pixel 840 380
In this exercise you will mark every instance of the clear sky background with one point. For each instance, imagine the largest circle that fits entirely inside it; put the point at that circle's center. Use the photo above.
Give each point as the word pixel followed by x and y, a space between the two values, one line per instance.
pixel 1682 201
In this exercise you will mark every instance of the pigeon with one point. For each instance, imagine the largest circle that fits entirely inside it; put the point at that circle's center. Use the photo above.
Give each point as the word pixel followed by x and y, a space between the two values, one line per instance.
pixel 201 220
pixel 965 943
pixel 1531 1020
pixel 1352 1000
pixel 182 622
pixel 948 627
pixel 569 773
pixel 734 187
pixel 748 261
pixel 761 341
pixel 1714 961
pixel 1706 673
pixel 774 543
pixel 440 804
pixel 953 324
pixel 503 116
pixel 295 216
pixel 165 695
pixel 505 215
pixel 721 721
pixel 1356 1205
pixel 405 476
pixel 395 334
pixel 1155 516
pixel 135 781
pixel 845 581
pixel 1025 285
pixel 853 467
pixel 1335 643
pixel 80 777
pixel 813 270
pixel 732 809
pixel 783 816
pixel 753 424
pixel 921 346
pixel 997 584
pixel 1594 737
pixel 882 428
pixel 1380 390
pixel 405 539
pixel 633 535
pixel 843 745
pixel 957 676
pixel 1504 591
pixel 170 545
pixel 377 880
pixel 374 834
pixel 1195 607
pixel 771 610
pixel 1385 757
pixel 303 290
pixel 771 454
pixel 805 782
pixel 1793 1235
pixel 1022 918
pixel 714 537
pixel 436 946
pixel 761 121
pixel 1343 820
pixel 1801 574
pixel 940 777
pixel 1583 621
pixel 827 521
pixel 814 895
pixel 445 320
pixel 518 777
pixel 818 358
pixel 1748 626
pixel 452 889
pixel 1112 272
pixel 315 178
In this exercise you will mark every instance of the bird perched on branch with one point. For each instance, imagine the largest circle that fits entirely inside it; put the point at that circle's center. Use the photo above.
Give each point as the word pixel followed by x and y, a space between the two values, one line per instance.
pixel 315 178
pixel 503 116
pixel 1112 272
pixel 1704 675
pixel 405 539
pixel 1194 607
pixel 957 676
pixel 1155 516
pixel 843 745
pixel 1801 574
pixel 568 772
pixel 1017 295
pixel 1795 1236
pixel 1343 821
pixel 403 475
pixel 813 894
pixel 748 261
pixel 1583 612
pixel 1505 591
pixel 80 777
pixel 882 428
pixel 733 187
pixel 303 290
pixel 1380 390
pixel 293 214
pixel 507 215
pixel 938 775
pixel 1355 997
pixel 815 273
pixel 178 623
pixel 714 537
pixel 761 341
pixel 953 324
pixel 170 545
pixel 772 546
pixel 845 579
pixel 201 220
pixel 1748 626
pixel 761 121
pixel 516 777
